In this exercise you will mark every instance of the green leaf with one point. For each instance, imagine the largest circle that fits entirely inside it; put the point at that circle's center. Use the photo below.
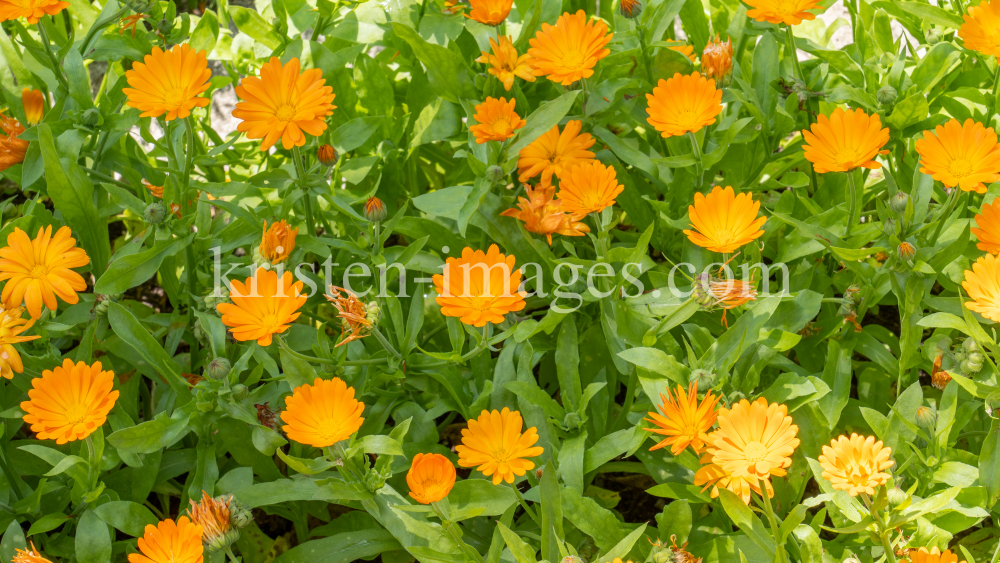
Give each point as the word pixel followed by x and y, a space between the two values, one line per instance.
pixel 354 133
pixel 253 24
pixel 531 392
pixel 127 516
pixel 743 517
pixel 930 14
pixel 482 494
pixel 542 119
pixel 624 547
pixel 446 71
pixel 989 463
pixel 12 539
pixel 521 551
pixel 568 364
pixel 135 269
pixel 131 331
pixel 654 360
pixel 151 435
pixel 206 33
pixel 93 542
pixel 348 546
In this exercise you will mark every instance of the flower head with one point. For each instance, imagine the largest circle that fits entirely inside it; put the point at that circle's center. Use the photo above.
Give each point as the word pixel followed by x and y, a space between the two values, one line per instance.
pixel 284 104
pixel 685 422
pixel 169 82
pixel 982 283
pixel 979 32
pixel 69 402
pixel 262 307
pixel 12 148
pixel 988 232
pixel 717 61
pixel 496 120
pixel 555 152
pixel 37 270
pixel 589 187
pixel 323 413
pixel 326 155
pixel 494 445
pixel 723 221
pixel 790 12
pixel 856 464
pixel 712 475
pixel 505 64
pixel 965 155
pixel 169 542
pixel 29 555
pixel 212 514
pixel 430 478
pixel 11 327
pixel 33 10
pixel 630 8
pixel 754 440
pixel 34 105
pixel 544 215
pixel 278 241
pixel 935 555
pixel 490 12
pixel 844 141
pixel 685 102
pixel 375 210
pixel 356 317
pixel 940 379
pixel 569 50
pixel 480 287
pixel 730 293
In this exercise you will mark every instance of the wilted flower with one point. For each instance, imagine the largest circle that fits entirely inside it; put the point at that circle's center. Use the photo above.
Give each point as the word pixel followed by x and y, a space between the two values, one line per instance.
pixel 717 61
pixel 11 327
pixel 266 416
pixel 544 215
pixel 356 317
pixel 29 555
pixel 12 148
pixel 212 514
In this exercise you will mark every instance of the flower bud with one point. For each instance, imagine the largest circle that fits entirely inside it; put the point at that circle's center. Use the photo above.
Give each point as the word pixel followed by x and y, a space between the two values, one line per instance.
pixel 700 293
pixel 239 514
pixel 214 515
pixel 494 174
pixel 704 378
pixel 155 213
pixel 375 210
pixel 926 417
pixel 970 345
pixel 240 391
pixel 717 61
pixel 572 421
pixel 906 251
pixel 973 364
pixel 630 8
pixel 886 95
pixel 889 227
pixel 218 369
pixel 92 118
pixel 103 302
pixel 327 155
pixel 896 496
pixel 898 202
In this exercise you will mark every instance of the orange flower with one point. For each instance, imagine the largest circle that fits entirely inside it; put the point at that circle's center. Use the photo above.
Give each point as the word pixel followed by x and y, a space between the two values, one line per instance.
pixel 723 221
pixel 844 141
pixel 356 318
pixel 569 50
pixel 684 422
pixel 505 64
pixel 544 215
pixel 982 283
pixel 12 148
pixel 33 10
pixel 555 152
pixel 589 188
pixel 69 402
pixel 717 61
pixel 495 446
pixel 754 440
pixel 686 50
pixel 430 478
pixel 964 155
pixel 711 475
pixel 375 210
pixel 29 555
pixel 940 378
pixel 169 82
pixel 278 242
pixel 490 12
pixel 790 12
pixel 856 464
pixel 496 120
pixel 453 7
pixel 283 104
pixel 11 327
pixel 168 542
pixel 980 30
pixel 323 413
pixel 34 105
pixel 479 287
pixel 326 155
pixel 935 555
pixel 262 308
pixel 37 270
pixel 988 232
pixel 682 104
pixel 213 515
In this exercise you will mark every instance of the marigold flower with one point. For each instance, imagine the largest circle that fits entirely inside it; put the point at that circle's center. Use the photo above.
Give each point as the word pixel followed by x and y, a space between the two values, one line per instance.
pixel 940 378
pixel 569 50
pixel 277 242
pixel 505 64
pixel 356 317
pixel 430 478
pixel 906 251
pixel 730 294
pixel 170 542
pixel 982 283
pixel 685 422
pixel 490 12
pixel 711 475
pixel 37 270
pixel 683 103
pixel 589 187
pixel 555 152
pixel 844 141
pixel 169 82
pixel 70 401
pixel 375 210
pixel 717 61
pixel 856 464
pixel 262 308
pixel 326 155
pixel 323 413
pixel 935 555
pixel 29 555
pixel 12 148
pixel 686 50
pixel 33 10
pixel 723 221
pixel 34 105
pixel 212 514
pixel 754 440
pixel 284 104
pixel 979 32
pixel 11 327
pixel 965 155
pixel 496 120
pixel 790 12
pixel 495 446
pixel 453 7
pixel 480 287
pixel 988 232
pixel 630 8
pixel 544 215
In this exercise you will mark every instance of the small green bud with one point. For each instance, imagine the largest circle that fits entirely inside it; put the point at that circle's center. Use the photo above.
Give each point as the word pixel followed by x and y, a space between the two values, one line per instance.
pixel 926 417
pixel 970 345
pixel 898 202
pixel 896 496
pixel 704 378
pixel 699 292
pixel 889 227
pixel 240 391
pixel 155 213
pixel 239 514
pixel 572 421
pixel 93 118
pixel 494 174
pixel 886 95
pixel 972 366
pixel 218 369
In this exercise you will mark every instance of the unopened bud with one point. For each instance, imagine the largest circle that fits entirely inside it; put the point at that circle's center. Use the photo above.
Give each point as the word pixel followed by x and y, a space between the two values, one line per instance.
pixel 571 559
pixel 886 95
pixel 889 227
pixel 630 8
pixel 926 417
pixel 93 118
pixel 218 369
pixel 973 364
pixel 704 378
pixel 240 391
pixel 898 202
pixel 699 291
pixel 239 514
pixel 494 174
pixel 970 345
pixel 327 155
pixel 375 210
pixel 906 251
pixel 896 496
pixel 155 213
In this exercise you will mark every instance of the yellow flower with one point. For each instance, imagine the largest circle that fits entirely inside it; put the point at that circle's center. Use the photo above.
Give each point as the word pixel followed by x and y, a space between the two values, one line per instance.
pixel 856 464
pixel 988 232
pixel 982 283
pixel 844 141
pixel 284 104
pixel 711 475
pixel 29 555
pixel 495 446
pixel 683 103
pixel 505 64
pixel 356 317
pixel 589 188
pixel 168 542
pixel 569 50
pixel 169 82
pixel 33 10
pixel 965 155
pixel 262 308
pixel 69 402
pixel 555 152
pixel 430 478
pixel 277 243
pixel 685 422
pixel 754 440
pixel 723 221
pixel 212 514
pixel 717 61
pixel 34 105
pixel 496 120
pixel 12 148
pixel 323 413
pixel 935 555
pixel 981 30
pixel 11 327
pixel 790 12
pixel 480 287
pixel 686 50
pixel 37 270
pixel 490 12
pixel 544 215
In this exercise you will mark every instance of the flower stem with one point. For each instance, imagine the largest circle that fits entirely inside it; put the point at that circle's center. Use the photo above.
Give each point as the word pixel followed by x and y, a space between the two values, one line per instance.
pixel 524 505
pixel 853 214
pixel 99 26
pixel 229 552
pixel 385 343
pixel 94 465
pixel 779 547
pixel 633 380
pixel 348 363
pixel 450 526
pixel 56 67
pixel 696 149
pixel 949 207
pixel 483 344
pixel 191 270
pixel 793 53
pixel 300 173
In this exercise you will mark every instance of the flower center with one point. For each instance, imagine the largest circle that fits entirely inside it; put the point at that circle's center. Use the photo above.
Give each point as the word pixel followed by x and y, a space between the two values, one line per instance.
pixel 328 429
pixel 39 271
pixel 285 113
pixel 269 322
pixel 961 167
pixel 754 452
pixel 501 127
pixel 76 414
pixel 724 236
pixel 860 474
pixel 174 97
pixel 573 60
pixel 847 158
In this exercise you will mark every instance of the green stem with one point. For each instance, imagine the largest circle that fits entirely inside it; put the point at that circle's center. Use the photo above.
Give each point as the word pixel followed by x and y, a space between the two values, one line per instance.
pixel 653 332
pixel 524 505
pixel 191 268
pixel 996 555
pixel 483 344
pixel 300 172
pixel 647 67
pixel 92 464
pixel 385 343
pixel 696 149
pixel 450 526
pixel 56 67
pixel 105 178
pixel 779 547
pixel 853 215
pixel 793 53
pixel 996 89
pixel 229 552
pixel 949 207
pixel 633 380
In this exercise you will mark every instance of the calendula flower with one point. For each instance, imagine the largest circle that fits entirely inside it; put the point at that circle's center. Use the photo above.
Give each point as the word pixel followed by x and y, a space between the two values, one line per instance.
pixel 730 294
pixel 375 210
pixel 490 12
pixel 326 155
pixel 356 317
pixel 754 440
pixel 683 103
pixel 12 148
pixel 686 50
pixel 262 306
pixel 284 104
pixel 277 242
pixel 169 82
pixel 495 446
pixel 323 413
pixel 589 187
pixel 712 475
pixel 34 105
pixel 844 141
pixel 544 215
pixel 935 555
pixel 29 555
pixel 70 401
pixel 980 30
pixel 37 270
pixel 723 221
pixel 569 50
pixel 982 284
pixel 430 478
pixel 965 155
pixel 496 120
pixel 480 287
pixel 940 379
pixel 505 64
pixel 685 422
pixel 212 514
pixel 555 152
pixel 790 12
pixel 169 542
pixel 11 327
pixel 32 10
pixel 630 8
pixel 988 232
pixel 717 61
pixel 856 464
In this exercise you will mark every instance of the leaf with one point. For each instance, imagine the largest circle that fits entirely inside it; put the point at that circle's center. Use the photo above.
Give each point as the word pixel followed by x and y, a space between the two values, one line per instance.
pixel 206 33
pixel 741 514
pixel 989 463
pixel 654 360
pixel 135 269
pixel 93 542
pixel 568 364
pixel 551 511
pixel 151 435
pixel 12 539
pixel 126 516
pixel 481 494
pixel 378 444
pixel 624 546
pixel 542 119
pixel 531 392
pixel 930 14
pixel 354 133
pixel 131 331
pixel 253 24
pixel 521 551
pixel 348 546
pixel 446 71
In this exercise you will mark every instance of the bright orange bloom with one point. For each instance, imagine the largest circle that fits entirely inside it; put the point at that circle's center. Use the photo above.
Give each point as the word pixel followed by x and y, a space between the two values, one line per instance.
pixel 278 242
pixel 982 284
pixel 988 232
pixel 168 542
pixel 856 464
pixel 723 221
pixel 284 104
pixel 686 50
pixel 712 475
pixel 965 155
pixel 37 270
pixel 34 105
pixel 981 30
pixel 717 61
pixel 11 327
pixel 754 440
pixel 544 215
pixel 356 317
pixel 323 413
pixel 505 64
pixel 490 12
pixel 12 148
pixel 262 308
pixel 685 422
pixel 69 402
pixel 496 120
pixel 569 50
pixel 790 12
pixel 844 141
pixel 555 152
pixel 683 103
pixel 29 555
pixel 935 555
pixel 495 446
pixel 480 287
pixel 430 478
pixel 33 10
pixel 169 82
pixel 589 188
